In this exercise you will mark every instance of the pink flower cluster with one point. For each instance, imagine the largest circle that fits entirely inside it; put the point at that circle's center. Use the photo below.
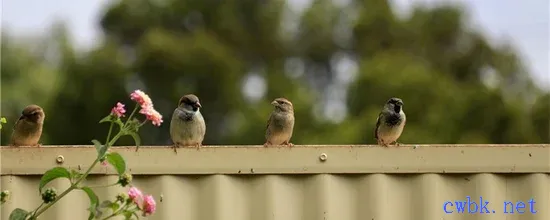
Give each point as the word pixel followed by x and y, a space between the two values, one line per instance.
pixel 146 105
pixel 146 203
pixel 147 108
pixel 118 110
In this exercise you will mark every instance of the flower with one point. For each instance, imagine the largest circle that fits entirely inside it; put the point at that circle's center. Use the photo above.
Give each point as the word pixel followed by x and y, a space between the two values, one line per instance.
pixel 141 98
pixel 118 110
pixel 149 205
pixel 153 115
pixel 135 194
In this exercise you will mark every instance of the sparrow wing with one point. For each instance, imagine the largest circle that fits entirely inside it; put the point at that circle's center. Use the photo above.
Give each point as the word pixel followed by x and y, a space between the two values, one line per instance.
pixel 378 120
pixel 269 121
pixel 18 121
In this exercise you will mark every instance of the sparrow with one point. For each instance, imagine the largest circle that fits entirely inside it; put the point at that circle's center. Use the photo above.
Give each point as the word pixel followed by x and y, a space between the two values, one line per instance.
pixel 28 128
pixel 187 127
pixel 390 122
pixel 280 124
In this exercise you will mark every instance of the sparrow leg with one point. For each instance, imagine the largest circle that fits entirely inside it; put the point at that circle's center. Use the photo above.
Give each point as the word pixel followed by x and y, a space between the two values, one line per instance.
pixel 395 143
pixel 175 147
pixel 267 144
pixel 199 145
pixel 287 143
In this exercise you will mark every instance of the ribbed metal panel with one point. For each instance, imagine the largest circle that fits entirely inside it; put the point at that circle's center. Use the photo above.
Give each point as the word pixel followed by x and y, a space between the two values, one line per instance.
pixel 353 183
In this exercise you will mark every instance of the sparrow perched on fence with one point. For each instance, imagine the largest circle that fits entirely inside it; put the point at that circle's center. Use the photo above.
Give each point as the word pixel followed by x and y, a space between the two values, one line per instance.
pixel 390 122
pixel 28 128
pixel 187 127
pixel 280 124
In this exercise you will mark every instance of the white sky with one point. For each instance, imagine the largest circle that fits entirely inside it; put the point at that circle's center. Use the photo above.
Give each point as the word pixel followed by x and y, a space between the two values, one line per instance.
pixel 525 23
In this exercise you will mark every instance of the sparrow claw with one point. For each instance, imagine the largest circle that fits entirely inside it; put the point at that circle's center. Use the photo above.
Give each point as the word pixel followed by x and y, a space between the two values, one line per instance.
pixel 267 144
pixel 199 145
pixel 175 147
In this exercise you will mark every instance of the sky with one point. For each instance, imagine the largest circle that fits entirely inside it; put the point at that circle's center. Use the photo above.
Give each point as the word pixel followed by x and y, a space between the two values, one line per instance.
pixel 524 23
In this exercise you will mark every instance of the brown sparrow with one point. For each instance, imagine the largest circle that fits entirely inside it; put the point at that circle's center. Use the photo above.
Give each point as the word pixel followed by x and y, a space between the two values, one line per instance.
pixel 187 127
pixel 28 128
pixel 280 124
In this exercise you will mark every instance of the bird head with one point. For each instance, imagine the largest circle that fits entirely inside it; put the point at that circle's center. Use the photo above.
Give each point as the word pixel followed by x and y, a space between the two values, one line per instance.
pixel 395 104
pixel 282 104
pixel 190 102
pixel 33 113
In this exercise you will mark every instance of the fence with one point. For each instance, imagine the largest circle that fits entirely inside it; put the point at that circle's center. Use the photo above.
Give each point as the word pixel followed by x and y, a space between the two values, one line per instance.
pixel 413 182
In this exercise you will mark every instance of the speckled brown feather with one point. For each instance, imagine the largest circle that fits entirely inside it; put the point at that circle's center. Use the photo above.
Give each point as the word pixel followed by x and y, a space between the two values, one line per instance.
pixel 280 125
pixel 28 128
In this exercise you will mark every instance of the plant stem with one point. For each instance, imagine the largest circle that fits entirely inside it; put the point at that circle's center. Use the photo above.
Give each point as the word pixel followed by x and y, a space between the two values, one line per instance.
pixel 109 134
pixel 117 212
pixel 36 209
pixel 132 114
pixel 75 184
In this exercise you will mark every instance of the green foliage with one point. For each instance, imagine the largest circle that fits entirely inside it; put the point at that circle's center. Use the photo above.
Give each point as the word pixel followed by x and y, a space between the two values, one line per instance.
pixel 96 210
pixel 117 161
pixel 431 58
pixel 2 121
pixel 52 174
pixel 100 148
pixel 94 203
pixel 19 214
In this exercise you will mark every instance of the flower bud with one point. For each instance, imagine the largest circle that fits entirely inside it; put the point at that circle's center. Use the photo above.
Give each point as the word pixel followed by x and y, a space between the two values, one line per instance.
pixel 49 195
pixel 121 197
pixel 125 179
pixel 4 196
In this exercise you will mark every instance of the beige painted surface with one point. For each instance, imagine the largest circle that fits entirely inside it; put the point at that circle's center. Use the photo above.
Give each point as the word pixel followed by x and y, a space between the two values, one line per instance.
pixel 255 183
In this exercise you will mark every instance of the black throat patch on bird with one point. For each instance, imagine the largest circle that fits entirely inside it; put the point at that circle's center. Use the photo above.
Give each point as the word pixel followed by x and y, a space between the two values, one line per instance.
pixel 393 119
pixel 188 116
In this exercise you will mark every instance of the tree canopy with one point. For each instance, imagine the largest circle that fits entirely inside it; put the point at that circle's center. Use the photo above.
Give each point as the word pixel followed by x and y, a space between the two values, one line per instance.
pixel 338 64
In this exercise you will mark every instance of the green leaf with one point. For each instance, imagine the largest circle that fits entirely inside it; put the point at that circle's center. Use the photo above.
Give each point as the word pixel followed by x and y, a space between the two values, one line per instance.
pixel 119 123
pixel 3 120
pixel 117 161
pixel 136 138
pixel 52 174
pixel 108 118
pixel 94 202
pixel 19 214
pixel 133 125
pixel 127 215
pixel 101 149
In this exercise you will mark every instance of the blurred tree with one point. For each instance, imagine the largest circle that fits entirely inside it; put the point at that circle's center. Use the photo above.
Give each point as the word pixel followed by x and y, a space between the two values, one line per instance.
pixel 338 63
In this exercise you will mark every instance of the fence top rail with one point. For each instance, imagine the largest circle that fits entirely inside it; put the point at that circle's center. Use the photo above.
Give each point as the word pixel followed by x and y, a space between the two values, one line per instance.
pixel 300 159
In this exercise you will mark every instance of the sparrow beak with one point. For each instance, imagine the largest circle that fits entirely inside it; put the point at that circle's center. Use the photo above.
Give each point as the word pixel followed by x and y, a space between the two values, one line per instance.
pixel 198 104
pixel 274 103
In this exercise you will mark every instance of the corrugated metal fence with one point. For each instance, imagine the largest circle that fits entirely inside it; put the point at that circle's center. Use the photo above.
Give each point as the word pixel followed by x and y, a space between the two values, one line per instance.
pixel 414 182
